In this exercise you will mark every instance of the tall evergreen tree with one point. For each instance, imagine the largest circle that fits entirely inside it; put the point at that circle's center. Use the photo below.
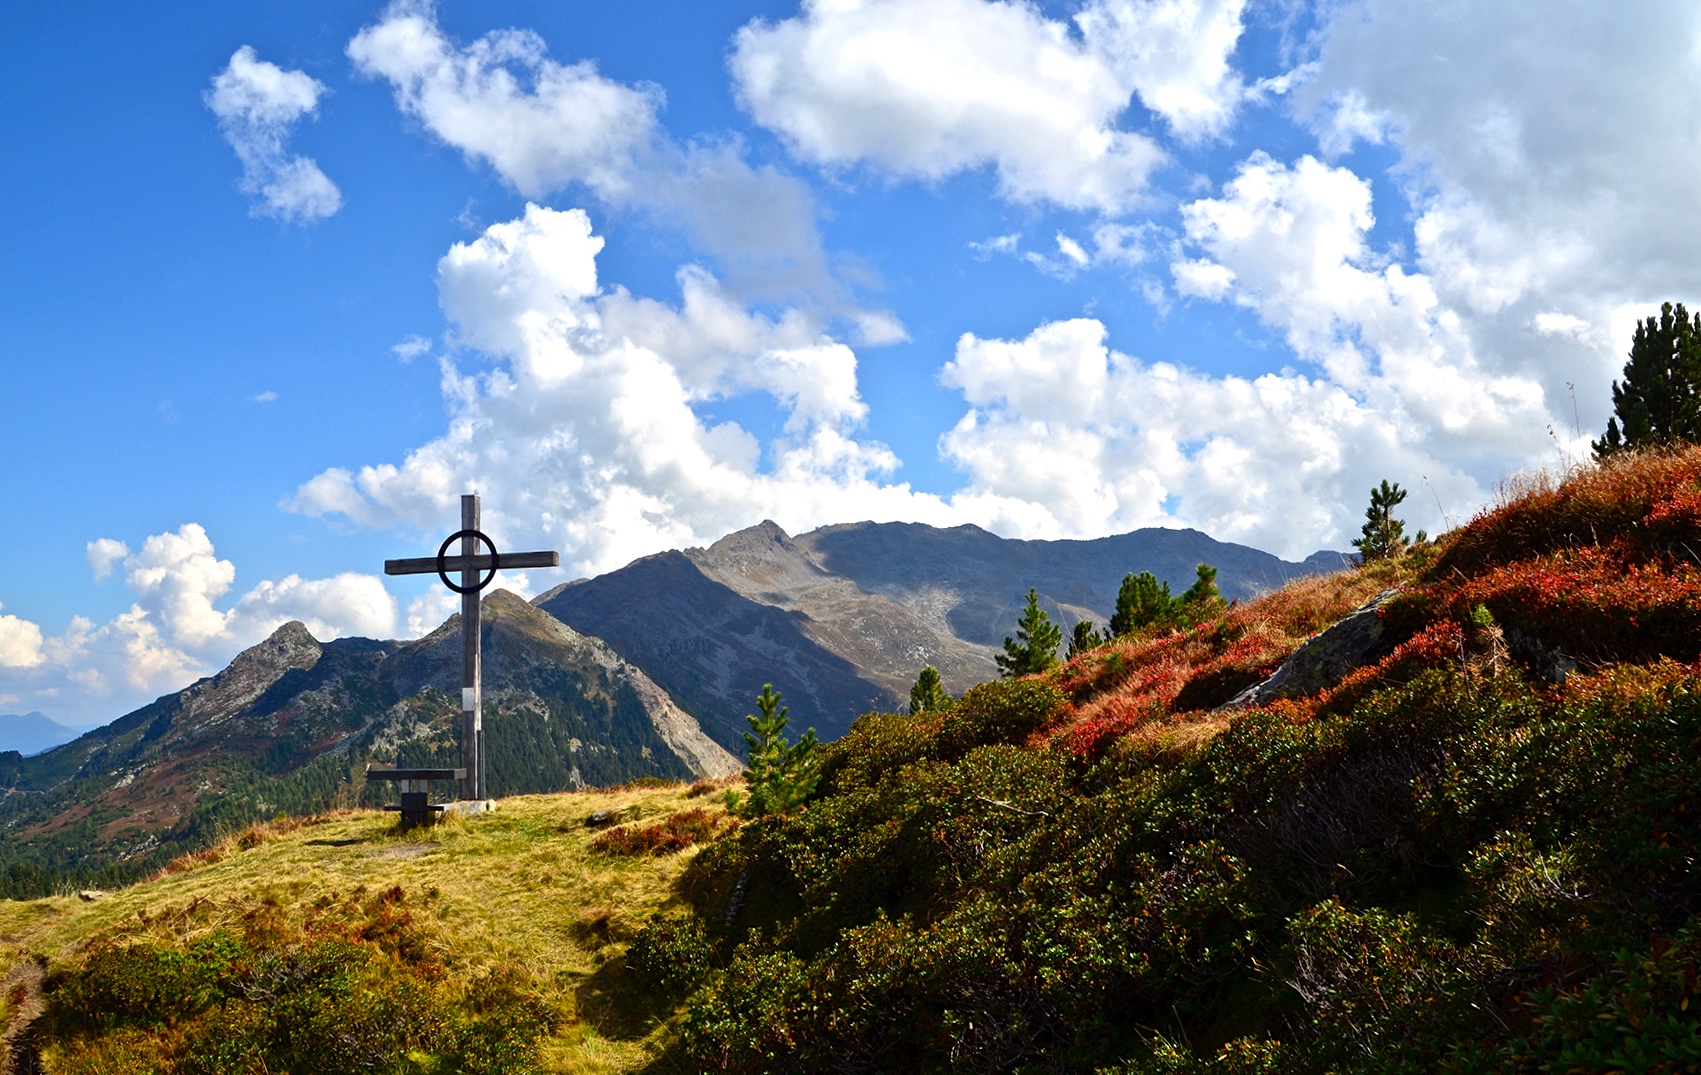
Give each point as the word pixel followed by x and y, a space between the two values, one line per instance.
pixel 1140 601
pixel 1034 649
pixel 1384 536
pixel 1659 400
pixel 928 695
pixel 781 775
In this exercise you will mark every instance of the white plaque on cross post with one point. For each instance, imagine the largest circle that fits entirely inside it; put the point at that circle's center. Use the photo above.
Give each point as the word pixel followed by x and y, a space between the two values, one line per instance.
pixel 471 563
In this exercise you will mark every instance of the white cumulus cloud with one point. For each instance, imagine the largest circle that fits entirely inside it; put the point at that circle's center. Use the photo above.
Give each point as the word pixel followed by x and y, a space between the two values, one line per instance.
pixel 502 100
pixel 176 630
pixel 1400 386
pixel 1549 153
pixel 543 125
pixel 257 104
pixel 1095 442
pixel 588 438
pixel 20 643
pixel 1176 54
pixel 1290 244
pixel 926 88
pixel 103 554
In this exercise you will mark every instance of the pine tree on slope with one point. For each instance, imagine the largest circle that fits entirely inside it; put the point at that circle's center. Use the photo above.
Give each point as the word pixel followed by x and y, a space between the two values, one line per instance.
pixel 928 695
pixel 1034 649
pixel 1659 400
pixel 1384 535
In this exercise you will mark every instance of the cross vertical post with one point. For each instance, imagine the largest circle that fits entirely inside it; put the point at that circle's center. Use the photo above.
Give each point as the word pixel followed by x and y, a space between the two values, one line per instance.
pixel 472 685
pixel 472 565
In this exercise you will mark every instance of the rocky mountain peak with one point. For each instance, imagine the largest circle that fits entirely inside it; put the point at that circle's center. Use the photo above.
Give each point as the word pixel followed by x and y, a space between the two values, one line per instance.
pixel 761 543
pixel 256 668
pixel 761 562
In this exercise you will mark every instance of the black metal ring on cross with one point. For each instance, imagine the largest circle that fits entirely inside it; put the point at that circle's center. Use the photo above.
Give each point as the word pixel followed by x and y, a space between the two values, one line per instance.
pixel 443 552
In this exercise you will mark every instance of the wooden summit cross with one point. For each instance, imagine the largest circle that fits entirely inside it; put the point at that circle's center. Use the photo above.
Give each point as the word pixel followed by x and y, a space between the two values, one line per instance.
pixel 470 563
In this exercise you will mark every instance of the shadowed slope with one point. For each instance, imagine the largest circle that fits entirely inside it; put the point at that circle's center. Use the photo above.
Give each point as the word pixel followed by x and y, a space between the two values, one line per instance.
pixel 712 648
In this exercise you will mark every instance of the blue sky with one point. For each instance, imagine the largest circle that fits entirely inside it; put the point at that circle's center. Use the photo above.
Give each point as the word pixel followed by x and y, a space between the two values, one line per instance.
pixel 284 279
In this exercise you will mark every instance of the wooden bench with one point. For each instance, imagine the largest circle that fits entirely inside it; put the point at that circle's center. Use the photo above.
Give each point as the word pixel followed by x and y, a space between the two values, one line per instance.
pixel 416 806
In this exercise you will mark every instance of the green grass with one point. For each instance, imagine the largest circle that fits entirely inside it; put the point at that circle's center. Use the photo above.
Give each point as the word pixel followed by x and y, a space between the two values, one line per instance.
pixel 514 891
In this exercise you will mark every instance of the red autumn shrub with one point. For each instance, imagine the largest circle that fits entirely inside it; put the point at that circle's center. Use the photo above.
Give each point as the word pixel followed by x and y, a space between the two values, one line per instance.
pixel 674 833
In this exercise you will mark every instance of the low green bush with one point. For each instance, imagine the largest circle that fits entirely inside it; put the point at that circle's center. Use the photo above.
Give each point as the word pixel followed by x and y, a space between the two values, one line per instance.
pixel 1379 887
pixel 333 998
pixel 671 955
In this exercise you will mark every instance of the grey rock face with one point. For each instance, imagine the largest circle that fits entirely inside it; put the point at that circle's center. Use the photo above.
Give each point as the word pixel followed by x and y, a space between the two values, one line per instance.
pixel 1323 661
pixel 1545 662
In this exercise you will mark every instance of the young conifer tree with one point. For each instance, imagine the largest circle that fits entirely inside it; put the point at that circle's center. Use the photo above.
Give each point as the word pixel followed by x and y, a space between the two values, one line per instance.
pixel 1659 400
pixel 1204 588
pixel 781 775
pixel 1384 536
pixel 1034 649
pixel 1084 638
pixel 928 695
pixel 1140 601
pixel 1202 600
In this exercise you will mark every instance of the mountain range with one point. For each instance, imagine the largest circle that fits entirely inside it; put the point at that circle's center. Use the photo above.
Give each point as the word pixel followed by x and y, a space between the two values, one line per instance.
pixel 646 671
pixel 841 619
pixel 32 733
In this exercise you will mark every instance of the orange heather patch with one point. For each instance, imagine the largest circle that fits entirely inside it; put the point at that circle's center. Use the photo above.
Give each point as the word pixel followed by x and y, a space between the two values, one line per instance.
pixel 1595 603
pixel 1592 506
pixel 1648 684
pixel 1114 716
pixel 1677 517
pixel 1122 688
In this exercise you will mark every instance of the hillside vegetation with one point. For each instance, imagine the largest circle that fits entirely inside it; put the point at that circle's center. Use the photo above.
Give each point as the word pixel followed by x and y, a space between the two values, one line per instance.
pixel 1458 857
pixel 1473 852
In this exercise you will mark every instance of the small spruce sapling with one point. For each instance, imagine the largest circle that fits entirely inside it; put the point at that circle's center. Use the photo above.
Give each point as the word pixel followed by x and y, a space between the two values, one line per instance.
pixel 1084 638
pixel 928 695
pixel 782 775
pixel 1202 599
pixel 1204 586
pixel 1034 649
pixel 1384 536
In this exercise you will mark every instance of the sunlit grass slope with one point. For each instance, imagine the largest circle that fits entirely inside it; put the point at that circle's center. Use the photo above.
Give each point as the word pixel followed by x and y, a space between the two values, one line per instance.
pixel 511 918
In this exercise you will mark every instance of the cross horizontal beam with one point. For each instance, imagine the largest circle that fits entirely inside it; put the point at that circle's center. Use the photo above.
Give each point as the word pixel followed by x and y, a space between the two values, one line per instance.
pixel 428 565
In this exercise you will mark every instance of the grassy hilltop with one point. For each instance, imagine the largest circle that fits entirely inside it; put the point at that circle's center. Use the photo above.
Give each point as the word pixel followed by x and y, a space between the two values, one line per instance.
pixel 1473 851
pixel 338 943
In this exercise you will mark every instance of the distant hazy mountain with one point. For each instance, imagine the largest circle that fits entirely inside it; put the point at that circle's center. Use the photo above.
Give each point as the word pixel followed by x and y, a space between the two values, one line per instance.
pixel 289 725
pixel 32 733
pixel 842 618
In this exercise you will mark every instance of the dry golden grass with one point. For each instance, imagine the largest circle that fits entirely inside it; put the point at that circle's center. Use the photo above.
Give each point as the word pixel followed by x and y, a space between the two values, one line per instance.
pixel 519 889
